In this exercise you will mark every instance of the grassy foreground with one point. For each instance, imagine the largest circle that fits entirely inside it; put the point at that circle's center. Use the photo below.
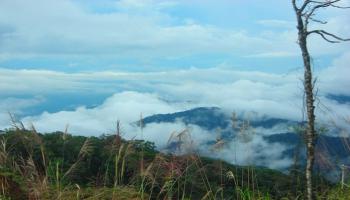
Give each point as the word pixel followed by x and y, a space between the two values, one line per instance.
pixel 61 166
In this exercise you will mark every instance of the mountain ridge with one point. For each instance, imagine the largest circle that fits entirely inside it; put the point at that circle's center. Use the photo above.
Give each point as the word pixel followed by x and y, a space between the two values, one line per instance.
pixel 336 149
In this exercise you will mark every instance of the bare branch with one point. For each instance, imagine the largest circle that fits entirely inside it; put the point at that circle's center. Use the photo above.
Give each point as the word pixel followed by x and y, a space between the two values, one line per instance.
pixel 317 20
pixel 324 34
pixel 296 9
pixel 306 3
pixel 309 14
pixel 325 38
pixel 321 5
pixel 341 7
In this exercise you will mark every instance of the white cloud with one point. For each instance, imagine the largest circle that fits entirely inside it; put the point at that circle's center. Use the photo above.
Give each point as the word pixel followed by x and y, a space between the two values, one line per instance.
pixel 142 31
pixel 277 23
pixel 256 152
pixel 273 55
pixel 125 106
pixel 64 28
pixel 278 95
pixel 162 133
pixel 15 107
pixel 335 78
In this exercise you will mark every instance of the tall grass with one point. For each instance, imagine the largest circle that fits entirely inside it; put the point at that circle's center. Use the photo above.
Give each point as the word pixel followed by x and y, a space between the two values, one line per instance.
pixel 166 176
pixel 175 169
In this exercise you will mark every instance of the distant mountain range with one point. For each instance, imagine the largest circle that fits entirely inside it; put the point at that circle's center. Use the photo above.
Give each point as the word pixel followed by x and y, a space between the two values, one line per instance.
pixel 211 118
pixel 342 99
pixel 335 149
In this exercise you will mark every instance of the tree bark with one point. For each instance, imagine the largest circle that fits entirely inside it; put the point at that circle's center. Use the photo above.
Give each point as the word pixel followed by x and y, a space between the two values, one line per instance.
pixel 305 13
pixel 310 107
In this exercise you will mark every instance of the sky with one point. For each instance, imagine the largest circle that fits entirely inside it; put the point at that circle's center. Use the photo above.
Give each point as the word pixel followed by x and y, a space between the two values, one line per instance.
pixel 89 63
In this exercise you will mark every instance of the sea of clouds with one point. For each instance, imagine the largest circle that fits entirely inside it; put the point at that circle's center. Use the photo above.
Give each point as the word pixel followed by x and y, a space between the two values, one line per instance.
pixel 273 95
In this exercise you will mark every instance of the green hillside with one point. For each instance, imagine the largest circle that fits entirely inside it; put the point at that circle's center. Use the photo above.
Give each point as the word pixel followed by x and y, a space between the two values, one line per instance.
pixel 62 166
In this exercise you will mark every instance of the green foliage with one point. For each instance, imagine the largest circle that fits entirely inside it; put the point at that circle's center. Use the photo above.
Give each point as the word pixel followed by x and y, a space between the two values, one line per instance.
pixel 77 167
pixel 3 197
pixel 338 193
pixel 119 193
pixel 11 185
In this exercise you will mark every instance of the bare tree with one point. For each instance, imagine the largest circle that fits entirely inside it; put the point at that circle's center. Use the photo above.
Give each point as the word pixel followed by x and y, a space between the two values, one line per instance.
pixel 305 13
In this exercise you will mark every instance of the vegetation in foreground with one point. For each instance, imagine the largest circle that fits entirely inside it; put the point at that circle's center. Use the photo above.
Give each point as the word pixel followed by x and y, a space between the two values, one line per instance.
pixel 61 166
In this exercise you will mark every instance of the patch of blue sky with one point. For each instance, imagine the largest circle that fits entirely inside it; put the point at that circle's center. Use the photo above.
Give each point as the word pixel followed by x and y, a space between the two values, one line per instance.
pixel 232 14
pixel 52 103
pixel 252 18
pixel 98 7
pixel 202 61
pixel 75 64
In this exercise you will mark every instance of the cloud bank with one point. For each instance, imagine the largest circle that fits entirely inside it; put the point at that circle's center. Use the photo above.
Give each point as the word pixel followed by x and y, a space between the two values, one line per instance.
pixel 277 95
pixel 267 94
pixel 69 36
pixel 74 35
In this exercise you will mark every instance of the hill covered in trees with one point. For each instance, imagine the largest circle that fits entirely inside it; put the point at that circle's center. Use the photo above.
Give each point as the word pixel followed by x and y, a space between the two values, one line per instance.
pixel 62 166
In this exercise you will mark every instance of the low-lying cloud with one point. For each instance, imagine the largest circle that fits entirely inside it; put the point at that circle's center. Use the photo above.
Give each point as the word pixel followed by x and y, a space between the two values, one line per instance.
pixel 266 94
pixel 276 95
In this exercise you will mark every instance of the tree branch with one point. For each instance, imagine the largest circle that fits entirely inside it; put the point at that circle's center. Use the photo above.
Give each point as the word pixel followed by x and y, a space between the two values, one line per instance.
pixel 305 5
pixel 317 20
pixel 321 5
pixel 341 7
pixel 296 9
pixel 324 34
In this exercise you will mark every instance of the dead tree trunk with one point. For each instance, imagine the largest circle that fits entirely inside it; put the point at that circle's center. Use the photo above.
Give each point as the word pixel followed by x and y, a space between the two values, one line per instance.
pixel 304 14
pixel 310 107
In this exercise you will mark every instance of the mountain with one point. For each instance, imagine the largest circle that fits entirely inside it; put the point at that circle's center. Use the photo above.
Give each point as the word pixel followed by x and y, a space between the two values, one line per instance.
pixel 210 118
pixel 274 131
pixel 342 99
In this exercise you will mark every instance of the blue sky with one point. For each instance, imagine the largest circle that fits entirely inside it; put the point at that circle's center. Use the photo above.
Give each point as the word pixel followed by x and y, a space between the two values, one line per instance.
pixel 71 58
pixel 89 63
pixel 152 35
